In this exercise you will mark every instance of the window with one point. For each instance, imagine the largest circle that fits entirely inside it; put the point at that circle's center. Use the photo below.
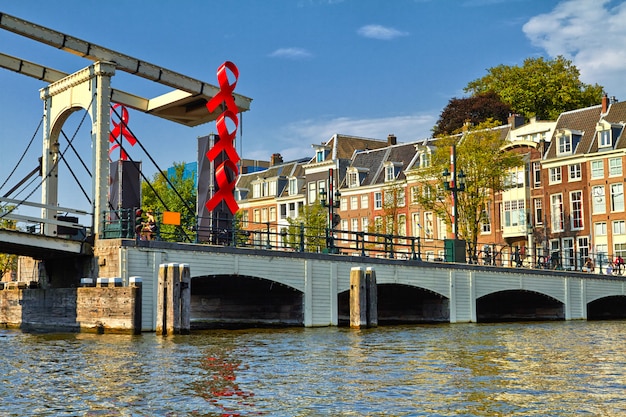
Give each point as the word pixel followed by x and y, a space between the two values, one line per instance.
pixel 364 223
pixel 597 169
pixel 312 193
pixel 320 155
pixel 485 221
pixel 619 227
pixel 416 224
pixel 514 213
pixel 557 212
pixel 615 167
pixel 400 197
pixel 576 209
pixel 343 206
pixel 555 175
pixel 283 211
pixel 565 144
pixel 257 216
pixel 575 172
pixel 619 249
pixel 293 186
pixel 389 173
pixel 428 226
pixel 244 218
pixel 354 202
pixel 364 201
pixel 605 138
pixel 537 174
pixel 378 200
pixel 264 214
pixel 598 202
pixel 600 229
pixel 414 194
pixel 402 225
pixel 355 225
pixel 538 211
pixel 272 189
pixel 617 197
pixel 353 179
pixel 272 214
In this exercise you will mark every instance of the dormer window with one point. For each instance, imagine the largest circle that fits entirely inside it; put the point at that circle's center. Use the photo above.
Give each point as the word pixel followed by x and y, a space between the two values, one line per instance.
pixel 391 171
pixel 567 141
pixel 320 155
pixel 604 138
pixel 607 133
pixel 353 179
pixel 293 186
pixel 355 176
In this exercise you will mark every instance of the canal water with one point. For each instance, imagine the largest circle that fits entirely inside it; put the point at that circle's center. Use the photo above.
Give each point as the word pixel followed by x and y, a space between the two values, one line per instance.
pixel 520 369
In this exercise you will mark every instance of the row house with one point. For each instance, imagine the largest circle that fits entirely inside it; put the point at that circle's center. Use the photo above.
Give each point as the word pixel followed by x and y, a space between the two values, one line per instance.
pixel 515 217
pixel 583 185
pixel 268 197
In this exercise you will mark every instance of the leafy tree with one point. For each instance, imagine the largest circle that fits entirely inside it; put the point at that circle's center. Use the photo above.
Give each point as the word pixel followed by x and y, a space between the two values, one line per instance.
pixel 179 195
pixel 474 109
pixel 314 217
pixel 479 155
pixel 541 88
pixel 8 262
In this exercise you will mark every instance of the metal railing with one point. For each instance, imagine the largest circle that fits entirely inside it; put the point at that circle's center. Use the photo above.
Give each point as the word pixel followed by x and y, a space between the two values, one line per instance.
pixel 282 236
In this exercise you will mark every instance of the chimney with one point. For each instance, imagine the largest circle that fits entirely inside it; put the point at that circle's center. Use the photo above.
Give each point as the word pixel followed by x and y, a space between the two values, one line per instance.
pixel 276 159
pixel 515 120
pixel 391 139
pixel 605 103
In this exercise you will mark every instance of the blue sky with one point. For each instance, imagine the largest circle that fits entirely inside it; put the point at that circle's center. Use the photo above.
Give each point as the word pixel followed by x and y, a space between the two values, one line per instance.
pixel 312 67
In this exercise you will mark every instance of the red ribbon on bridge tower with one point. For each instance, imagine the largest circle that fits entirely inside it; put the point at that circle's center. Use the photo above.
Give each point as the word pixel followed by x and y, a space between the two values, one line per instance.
pixel 226 173
pixel 120 130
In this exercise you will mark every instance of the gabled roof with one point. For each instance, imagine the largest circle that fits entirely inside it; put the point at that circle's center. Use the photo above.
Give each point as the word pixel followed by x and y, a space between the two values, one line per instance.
pixel 373 161
pixel 344 146
pixel 583 120
pixel 285 170
pixel 617 115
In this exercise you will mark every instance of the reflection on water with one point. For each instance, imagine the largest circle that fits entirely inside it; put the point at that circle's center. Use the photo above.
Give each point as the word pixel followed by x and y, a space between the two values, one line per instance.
pixel 521 369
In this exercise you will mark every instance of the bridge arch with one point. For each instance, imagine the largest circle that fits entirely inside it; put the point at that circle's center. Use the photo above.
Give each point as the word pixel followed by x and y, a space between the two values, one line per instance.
pixel 518 305
pixel 609 307
pixel 88 89
pixel 236 301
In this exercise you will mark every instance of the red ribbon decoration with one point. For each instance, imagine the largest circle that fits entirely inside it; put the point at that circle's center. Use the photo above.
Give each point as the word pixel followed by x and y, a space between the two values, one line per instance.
pixel 226 88
pixel 121 130
pixel 226 138
pixel 225 187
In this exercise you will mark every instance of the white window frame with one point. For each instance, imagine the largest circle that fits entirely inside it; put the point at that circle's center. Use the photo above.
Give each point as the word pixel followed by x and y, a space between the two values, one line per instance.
pixel 555 175
pixel 575 172
pixel 378 200
pixel 604 138
pixel 538 210
pixel 597 169
pixel 615 167
pixel 598 199
pixel 599 229
pixel 619 227
pixel 556 211
pixel 617 197
pixel 576 210
pixel 365 201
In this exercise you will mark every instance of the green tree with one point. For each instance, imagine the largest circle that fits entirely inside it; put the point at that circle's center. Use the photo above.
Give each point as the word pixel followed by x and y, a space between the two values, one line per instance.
pixel 8 262
pixel 314 217
pixel 474 109
pixel 178 195
pixel 541 88
pixel 486 168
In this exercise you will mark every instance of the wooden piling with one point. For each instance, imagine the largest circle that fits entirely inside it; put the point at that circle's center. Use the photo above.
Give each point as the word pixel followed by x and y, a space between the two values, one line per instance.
pixel 372 297
pixel 173 299
pixel 358 298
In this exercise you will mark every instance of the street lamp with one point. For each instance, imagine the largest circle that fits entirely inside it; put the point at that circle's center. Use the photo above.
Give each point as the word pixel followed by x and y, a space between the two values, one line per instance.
pixel 454 183
pixel 332 203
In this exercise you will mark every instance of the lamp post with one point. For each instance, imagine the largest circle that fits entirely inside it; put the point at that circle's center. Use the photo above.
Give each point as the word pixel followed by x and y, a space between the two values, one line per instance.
pixel 454 183
pixel 332 203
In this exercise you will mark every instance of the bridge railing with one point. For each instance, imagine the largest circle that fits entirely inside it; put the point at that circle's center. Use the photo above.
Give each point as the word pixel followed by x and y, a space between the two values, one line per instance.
pixel 285 236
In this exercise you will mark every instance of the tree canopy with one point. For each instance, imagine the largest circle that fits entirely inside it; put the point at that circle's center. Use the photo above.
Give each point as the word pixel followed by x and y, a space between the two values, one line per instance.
pixel 479 155
pixel 180 196
pixel 475 109
pixel 540 88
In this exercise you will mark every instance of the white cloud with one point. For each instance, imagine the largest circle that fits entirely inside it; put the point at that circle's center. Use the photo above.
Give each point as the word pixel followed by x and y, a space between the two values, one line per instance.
pixel 590 33
pixel 291 53
pixel 307 132
pixel 380 32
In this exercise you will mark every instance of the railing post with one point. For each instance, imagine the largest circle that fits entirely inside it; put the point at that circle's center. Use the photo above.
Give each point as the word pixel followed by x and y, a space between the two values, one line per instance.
pixel 301 248
pixel 390 239
pixel 268 244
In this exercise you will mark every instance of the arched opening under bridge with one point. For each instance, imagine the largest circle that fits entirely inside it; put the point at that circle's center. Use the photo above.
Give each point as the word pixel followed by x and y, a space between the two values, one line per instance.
pixel 235 301
pixel 401 304
pixel 518 305
pixel 607 308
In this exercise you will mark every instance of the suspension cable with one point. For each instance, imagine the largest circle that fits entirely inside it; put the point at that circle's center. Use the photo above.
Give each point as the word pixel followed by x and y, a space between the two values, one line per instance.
pixel 23 154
